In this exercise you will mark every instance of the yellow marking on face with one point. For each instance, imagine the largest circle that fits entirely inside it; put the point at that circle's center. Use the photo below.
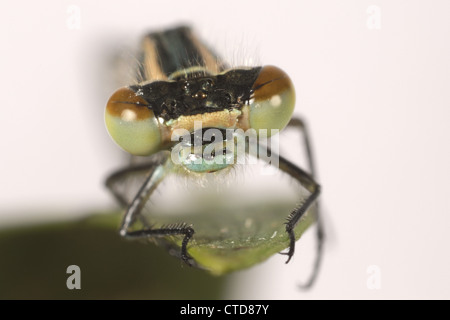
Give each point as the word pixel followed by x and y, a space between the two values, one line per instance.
pixel 244 119
pixel 223 119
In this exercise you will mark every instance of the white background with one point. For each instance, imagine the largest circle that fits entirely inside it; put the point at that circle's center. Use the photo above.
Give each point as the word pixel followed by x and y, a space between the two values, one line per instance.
pixel 377 101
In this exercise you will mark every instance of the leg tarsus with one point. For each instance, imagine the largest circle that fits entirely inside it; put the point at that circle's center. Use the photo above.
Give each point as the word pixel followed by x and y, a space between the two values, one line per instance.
pixel 189 232
pixel 302 126
pixel 291 235
pixel 172 230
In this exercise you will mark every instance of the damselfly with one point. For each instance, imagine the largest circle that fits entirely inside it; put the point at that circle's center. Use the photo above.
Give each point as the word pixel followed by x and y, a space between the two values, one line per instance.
pixel 182 83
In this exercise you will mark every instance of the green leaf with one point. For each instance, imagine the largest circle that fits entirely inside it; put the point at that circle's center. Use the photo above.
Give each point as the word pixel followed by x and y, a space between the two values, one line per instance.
pixel 230 237
pixel 34 260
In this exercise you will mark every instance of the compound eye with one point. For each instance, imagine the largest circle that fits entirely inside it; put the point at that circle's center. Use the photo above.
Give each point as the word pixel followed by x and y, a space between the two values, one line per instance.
pixel 273 100
pixel 131 124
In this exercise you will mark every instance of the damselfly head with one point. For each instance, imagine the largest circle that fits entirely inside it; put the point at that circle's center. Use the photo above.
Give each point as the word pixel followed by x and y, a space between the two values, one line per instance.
pixel 142 119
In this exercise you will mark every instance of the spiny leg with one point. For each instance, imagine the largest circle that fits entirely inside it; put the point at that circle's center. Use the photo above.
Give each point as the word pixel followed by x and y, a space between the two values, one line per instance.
pixel 300 124
pixel 308 182
pixel 157 169
pixel 135 168
pixel 169 230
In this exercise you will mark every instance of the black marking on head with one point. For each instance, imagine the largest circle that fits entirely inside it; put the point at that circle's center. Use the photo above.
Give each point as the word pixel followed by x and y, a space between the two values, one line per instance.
pixel 200 94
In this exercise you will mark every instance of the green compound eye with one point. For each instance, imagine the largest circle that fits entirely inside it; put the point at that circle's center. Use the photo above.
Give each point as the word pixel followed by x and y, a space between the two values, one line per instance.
pixel 131 124
pixel 273 100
